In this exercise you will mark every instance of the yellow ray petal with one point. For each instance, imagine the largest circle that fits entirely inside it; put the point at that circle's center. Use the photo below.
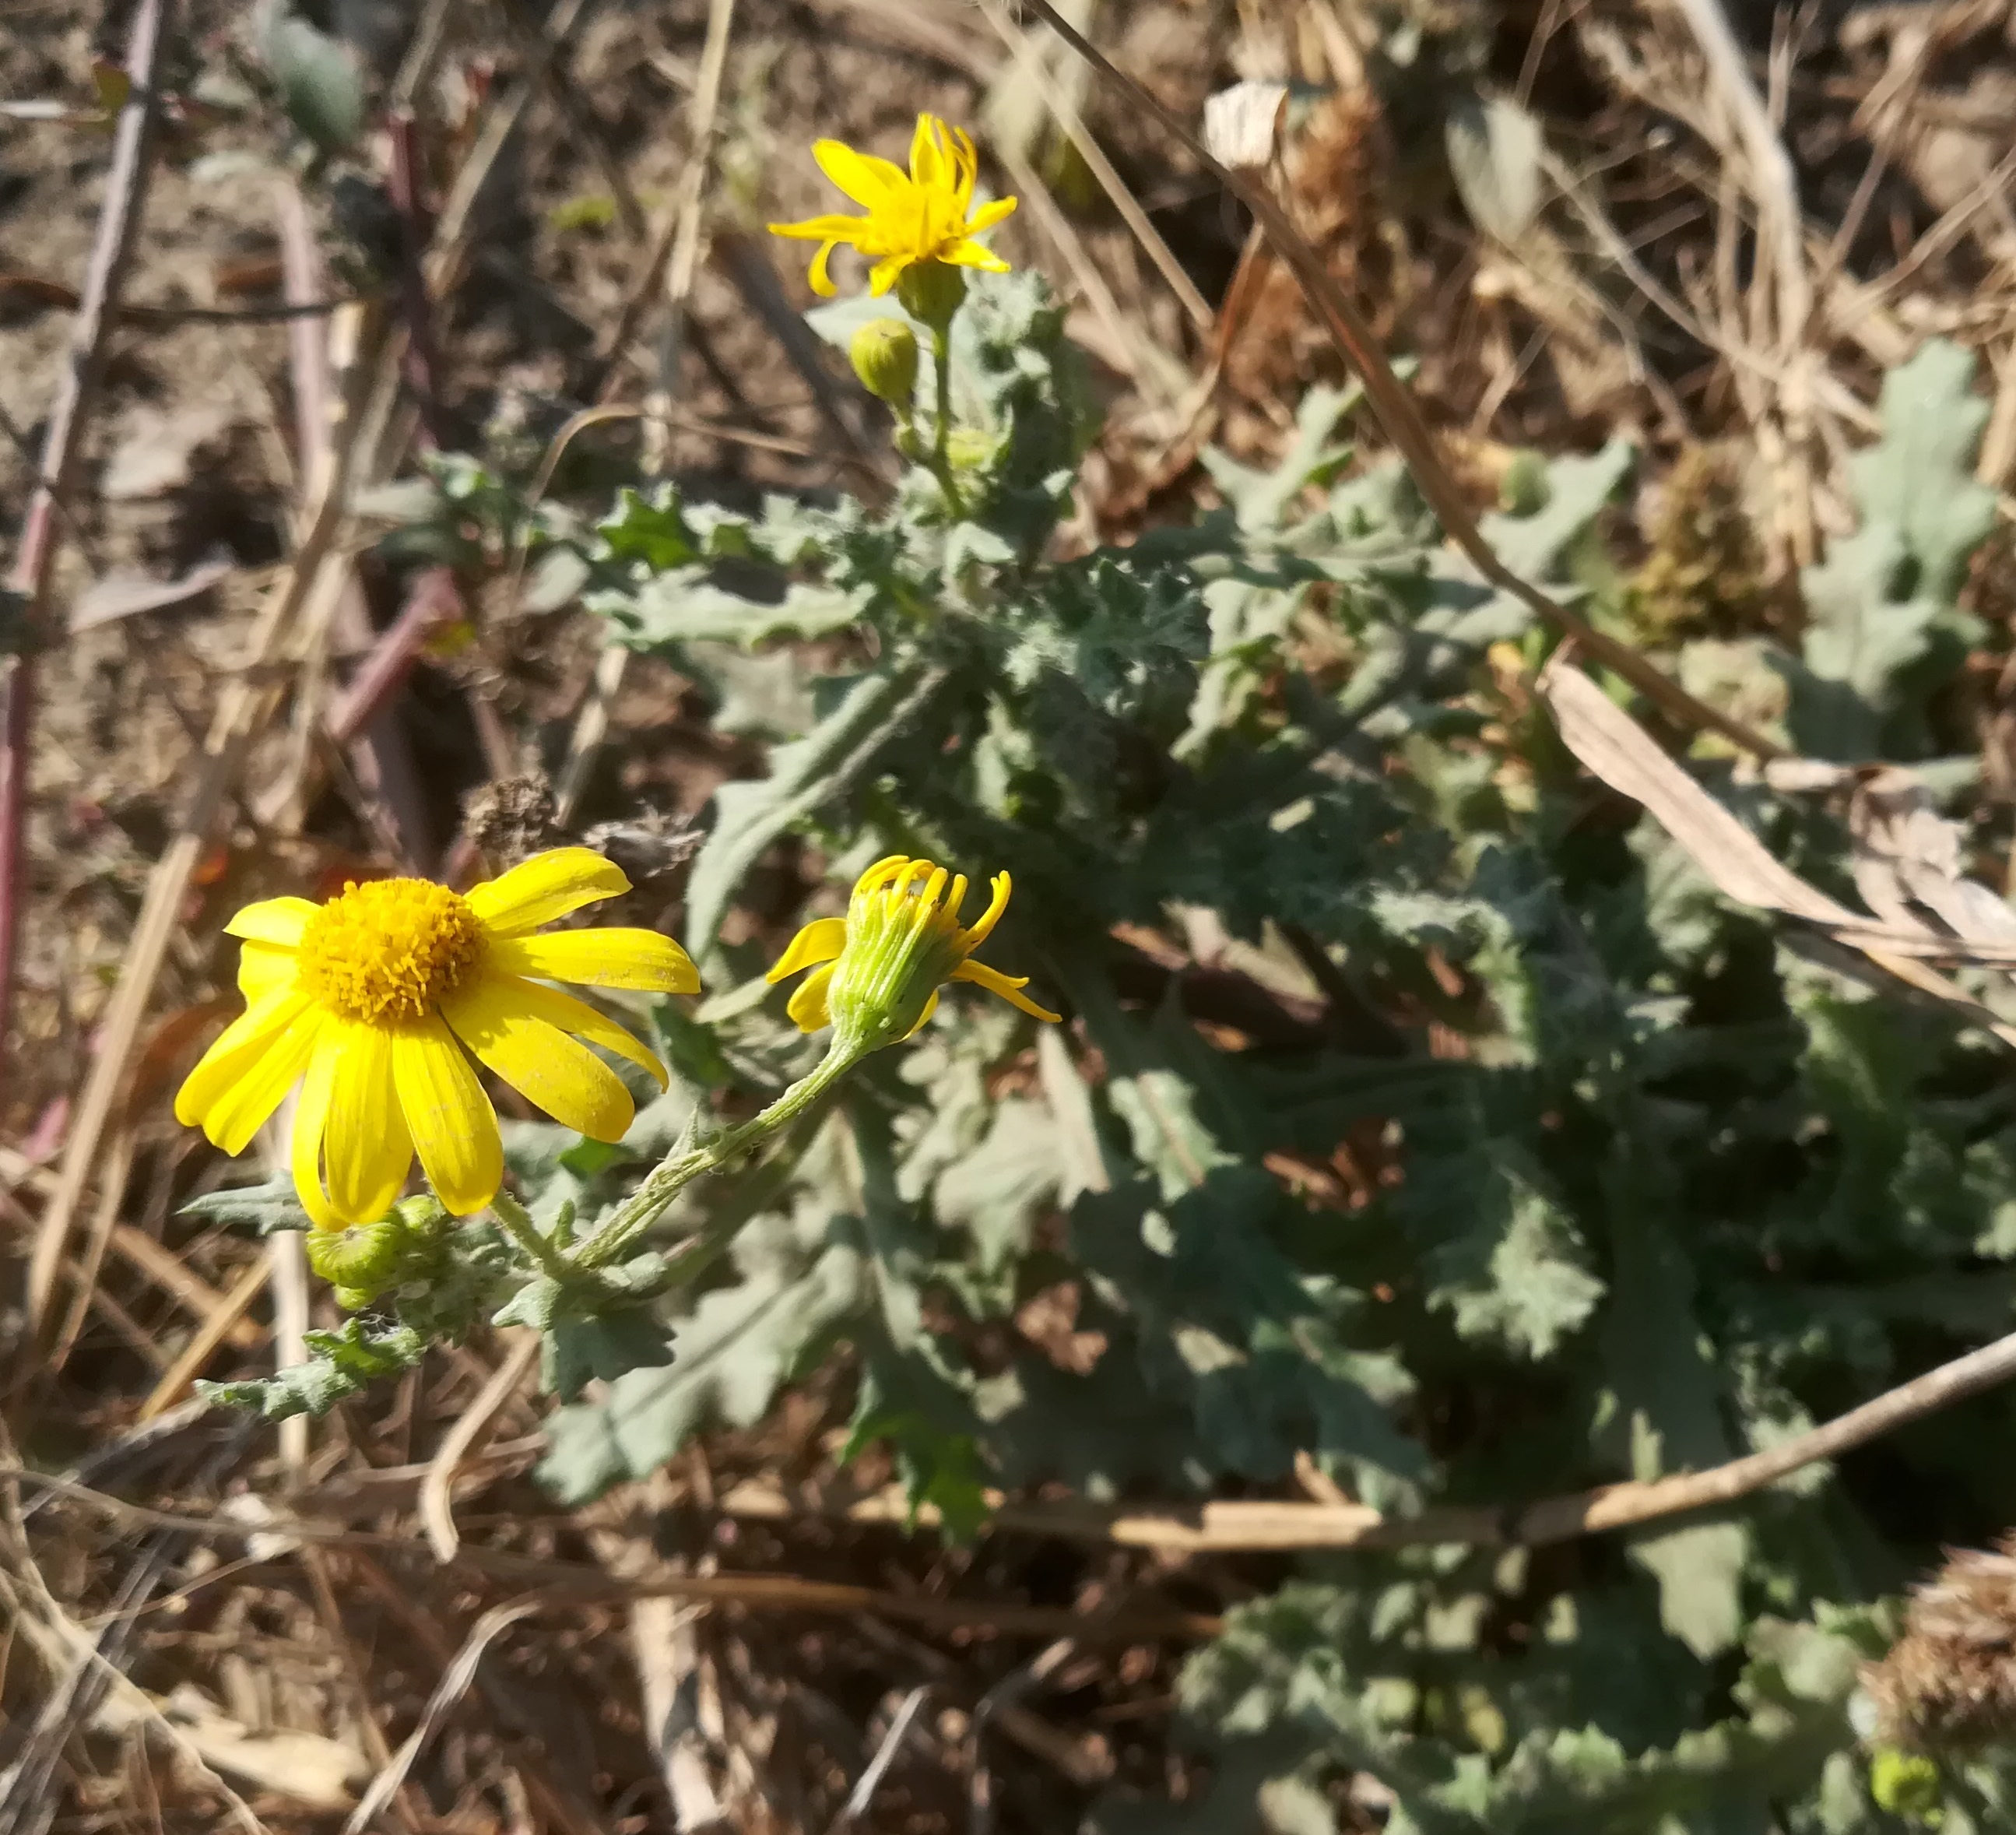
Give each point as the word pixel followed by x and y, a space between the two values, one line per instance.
pixel 807 1007
pixel 885 272
pixel 868 181
pixel 310 1119
pixel 453 1126
pixel 830 228
pixel 242 1110
pixel 819 941
pixel 969 253
pixel 1008 986
pixel 614 957
pixel 539 1061
pixel 237 1048
pixel 989 214
pixel 262 967
pixel 547 886
pixel 273 920
pixel 570 1015
pixel 365 1147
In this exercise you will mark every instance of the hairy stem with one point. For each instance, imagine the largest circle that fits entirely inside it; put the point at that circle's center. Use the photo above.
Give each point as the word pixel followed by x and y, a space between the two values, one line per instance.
pixel 680 1167
pixel 941 437
pixel 518 1225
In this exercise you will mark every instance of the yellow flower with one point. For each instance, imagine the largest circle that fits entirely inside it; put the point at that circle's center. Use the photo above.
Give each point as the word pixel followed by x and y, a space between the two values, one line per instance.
pixel 379 998
pixel 920 217
pixel 879 967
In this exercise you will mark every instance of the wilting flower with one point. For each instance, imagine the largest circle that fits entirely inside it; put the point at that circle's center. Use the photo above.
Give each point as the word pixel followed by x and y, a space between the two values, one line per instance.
pixel 916 217
pixel 880 968
pixel 379 998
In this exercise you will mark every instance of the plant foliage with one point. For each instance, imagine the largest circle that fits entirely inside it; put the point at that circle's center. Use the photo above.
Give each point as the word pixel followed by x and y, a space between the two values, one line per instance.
pixel 1422 1111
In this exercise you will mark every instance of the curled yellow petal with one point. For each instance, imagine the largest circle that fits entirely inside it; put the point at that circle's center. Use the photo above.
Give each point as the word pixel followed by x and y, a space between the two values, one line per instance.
pixel 547 886
pixel 1008 986
pixel 807 1004
pixel 615 956
pixel 974 254
pixel 453 1126
pixel 989 214
pixel 819 941
pixel 931 165
pixel 831 228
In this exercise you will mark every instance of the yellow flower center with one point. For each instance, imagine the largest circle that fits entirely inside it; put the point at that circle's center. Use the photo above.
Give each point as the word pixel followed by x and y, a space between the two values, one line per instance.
pixel 390 949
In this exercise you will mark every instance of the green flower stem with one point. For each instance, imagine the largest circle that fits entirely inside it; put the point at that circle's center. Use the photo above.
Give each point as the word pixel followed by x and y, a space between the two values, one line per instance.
pixel 678 1170
pixel 518 1225
pixel 941 437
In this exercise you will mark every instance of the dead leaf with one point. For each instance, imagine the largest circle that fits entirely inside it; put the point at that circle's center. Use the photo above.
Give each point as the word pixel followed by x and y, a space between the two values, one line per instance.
pixel 1907 855
pixel 1618 750
pixel 310 1768
pixel 155 456
pixel 124 592
pixel 1242 125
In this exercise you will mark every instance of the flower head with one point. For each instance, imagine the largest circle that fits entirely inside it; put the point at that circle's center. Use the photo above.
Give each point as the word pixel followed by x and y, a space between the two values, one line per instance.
pixel 880 968
pixel 379 998
pixel 918 218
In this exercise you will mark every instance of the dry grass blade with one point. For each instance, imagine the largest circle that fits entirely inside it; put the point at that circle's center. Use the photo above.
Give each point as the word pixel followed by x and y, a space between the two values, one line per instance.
pixel 1402 422
pixel 202 1347
pixel 863 1794
pixel 437 1488
pixel 455 1684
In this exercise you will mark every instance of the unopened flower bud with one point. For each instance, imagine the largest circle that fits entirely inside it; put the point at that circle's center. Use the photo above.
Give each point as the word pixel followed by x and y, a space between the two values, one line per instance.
pixel 360 1262
pixel 368 1260
pixel 884 356
pixel 932 292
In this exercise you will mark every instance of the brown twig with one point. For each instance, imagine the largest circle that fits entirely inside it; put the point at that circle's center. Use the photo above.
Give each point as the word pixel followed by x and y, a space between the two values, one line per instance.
pixel 1231 1526
pixel 380 756
pixel 404 183
pixel 62 452
pixel 1223 1526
